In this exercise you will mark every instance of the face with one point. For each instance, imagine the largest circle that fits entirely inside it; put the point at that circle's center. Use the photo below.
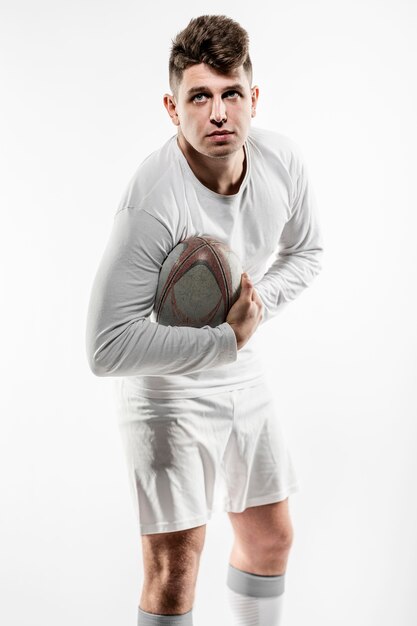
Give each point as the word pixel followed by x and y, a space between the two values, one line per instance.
pixel 209 102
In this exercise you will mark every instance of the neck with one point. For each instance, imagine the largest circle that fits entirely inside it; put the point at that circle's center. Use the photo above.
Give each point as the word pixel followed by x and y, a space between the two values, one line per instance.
pixel 221 175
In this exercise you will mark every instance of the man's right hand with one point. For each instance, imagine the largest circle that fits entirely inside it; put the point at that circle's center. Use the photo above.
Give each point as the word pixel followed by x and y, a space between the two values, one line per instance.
pixel 246 313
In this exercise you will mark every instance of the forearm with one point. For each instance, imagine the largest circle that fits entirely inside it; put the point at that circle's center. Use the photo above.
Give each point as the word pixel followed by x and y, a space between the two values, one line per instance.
pixel 287 277
pixel 120 338
pixel 147 348
pixel 300 251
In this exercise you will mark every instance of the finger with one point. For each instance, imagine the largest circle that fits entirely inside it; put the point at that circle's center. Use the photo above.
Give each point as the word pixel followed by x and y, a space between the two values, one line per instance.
pixel 247 287
pixel 256 297
pixel 246 280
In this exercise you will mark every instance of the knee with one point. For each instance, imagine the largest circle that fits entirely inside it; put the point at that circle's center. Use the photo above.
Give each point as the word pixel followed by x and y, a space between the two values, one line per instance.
pixel 173 568
pixel 272 549
pixel 169 587
pixel 171 565
pixel 276 540
pixel 273 546
pixel 282 540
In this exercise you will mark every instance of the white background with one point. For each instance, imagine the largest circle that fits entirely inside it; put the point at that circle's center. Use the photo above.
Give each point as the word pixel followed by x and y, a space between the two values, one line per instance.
pixel 81 106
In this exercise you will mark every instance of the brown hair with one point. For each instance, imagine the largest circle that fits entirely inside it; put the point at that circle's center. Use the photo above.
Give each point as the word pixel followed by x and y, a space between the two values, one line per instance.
pixel 213 39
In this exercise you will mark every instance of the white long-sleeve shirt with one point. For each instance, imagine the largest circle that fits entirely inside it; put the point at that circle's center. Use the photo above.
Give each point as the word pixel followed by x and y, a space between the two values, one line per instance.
pixel 271 224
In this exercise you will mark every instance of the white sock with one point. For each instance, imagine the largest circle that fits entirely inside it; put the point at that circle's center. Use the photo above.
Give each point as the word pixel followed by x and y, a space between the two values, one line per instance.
pixel 255 600
pixel 250 611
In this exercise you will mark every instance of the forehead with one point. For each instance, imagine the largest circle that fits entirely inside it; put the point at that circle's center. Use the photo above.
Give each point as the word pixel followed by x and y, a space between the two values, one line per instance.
pixel 203 74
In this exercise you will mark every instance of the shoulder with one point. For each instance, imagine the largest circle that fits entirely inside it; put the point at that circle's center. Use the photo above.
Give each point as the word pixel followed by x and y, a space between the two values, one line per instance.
pixel 156 187
pixel 275 145
pixel 150 177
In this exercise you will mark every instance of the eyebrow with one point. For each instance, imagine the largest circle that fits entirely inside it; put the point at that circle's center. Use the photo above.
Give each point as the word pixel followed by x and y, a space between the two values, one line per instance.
pixel 194 90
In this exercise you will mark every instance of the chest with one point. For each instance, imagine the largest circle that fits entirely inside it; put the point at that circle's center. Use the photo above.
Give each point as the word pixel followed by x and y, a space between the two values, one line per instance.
pixel 250 223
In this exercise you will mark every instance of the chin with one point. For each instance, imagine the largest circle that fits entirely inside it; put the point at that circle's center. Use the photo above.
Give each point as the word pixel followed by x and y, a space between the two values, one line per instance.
pixel 226 150
pixel 221 154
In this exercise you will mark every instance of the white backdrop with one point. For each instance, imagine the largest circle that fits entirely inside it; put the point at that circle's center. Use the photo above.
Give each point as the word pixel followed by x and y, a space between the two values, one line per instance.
pixel 81 107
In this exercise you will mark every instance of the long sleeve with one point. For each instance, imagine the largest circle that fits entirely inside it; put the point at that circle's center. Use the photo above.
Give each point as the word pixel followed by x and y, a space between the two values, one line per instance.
pixel 300 249
pixel 120 339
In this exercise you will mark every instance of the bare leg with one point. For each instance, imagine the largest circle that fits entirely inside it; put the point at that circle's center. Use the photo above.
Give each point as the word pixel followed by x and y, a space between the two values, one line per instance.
pixel 171 562
pixel 262 538
pixel 257 564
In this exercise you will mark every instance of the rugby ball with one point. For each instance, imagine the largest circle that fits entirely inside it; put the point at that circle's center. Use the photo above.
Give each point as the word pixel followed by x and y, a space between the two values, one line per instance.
pixel 198 283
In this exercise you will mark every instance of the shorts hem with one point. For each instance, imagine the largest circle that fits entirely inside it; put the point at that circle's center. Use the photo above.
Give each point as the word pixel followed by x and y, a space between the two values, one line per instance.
pixel 266 499
pixel 167 527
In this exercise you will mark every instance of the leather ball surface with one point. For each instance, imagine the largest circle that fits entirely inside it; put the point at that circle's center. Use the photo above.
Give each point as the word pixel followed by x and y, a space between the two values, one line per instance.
pixel 198 283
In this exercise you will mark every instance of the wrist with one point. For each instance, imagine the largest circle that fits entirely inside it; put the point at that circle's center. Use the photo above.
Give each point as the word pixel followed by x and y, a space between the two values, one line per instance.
pixel 238 337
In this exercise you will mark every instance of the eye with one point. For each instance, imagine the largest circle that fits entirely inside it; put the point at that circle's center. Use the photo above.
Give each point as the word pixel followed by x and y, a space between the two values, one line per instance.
pixel 232 92
pixel 194 99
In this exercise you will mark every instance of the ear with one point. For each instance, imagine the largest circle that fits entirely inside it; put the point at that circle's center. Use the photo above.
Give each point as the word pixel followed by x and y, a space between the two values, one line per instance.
pixel 254 98
pixel 171 107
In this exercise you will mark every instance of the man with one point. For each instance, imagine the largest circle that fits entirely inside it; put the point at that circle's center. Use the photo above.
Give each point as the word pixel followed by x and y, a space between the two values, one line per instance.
pixel 197 419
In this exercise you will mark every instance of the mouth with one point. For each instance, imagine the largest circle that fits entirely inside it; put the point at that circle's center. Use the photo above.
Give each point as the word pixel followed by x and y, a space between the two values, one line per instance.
pixel 220 132
pixel 220 136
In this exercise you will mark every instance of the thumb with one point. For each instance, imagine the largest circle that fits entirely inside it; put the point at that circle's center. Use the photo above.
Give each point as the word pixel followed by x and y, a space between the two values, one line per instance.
pixel 246 282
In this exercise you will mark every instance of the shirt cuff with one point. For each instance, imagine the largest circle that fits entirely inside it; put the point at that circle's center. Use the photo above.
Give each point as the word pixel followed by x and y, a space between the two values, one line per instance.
pixel 228 343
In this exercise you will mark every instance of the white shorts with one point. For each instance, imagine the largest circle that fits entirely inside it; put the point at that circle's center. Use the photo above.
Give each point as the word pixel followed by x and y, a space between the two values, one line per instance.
pixel 190 457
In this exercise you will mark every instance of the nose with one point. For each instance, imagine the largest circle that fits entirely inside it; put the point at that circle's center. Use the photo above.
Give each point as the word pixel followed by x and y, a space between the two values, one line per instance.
pixel 218 111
